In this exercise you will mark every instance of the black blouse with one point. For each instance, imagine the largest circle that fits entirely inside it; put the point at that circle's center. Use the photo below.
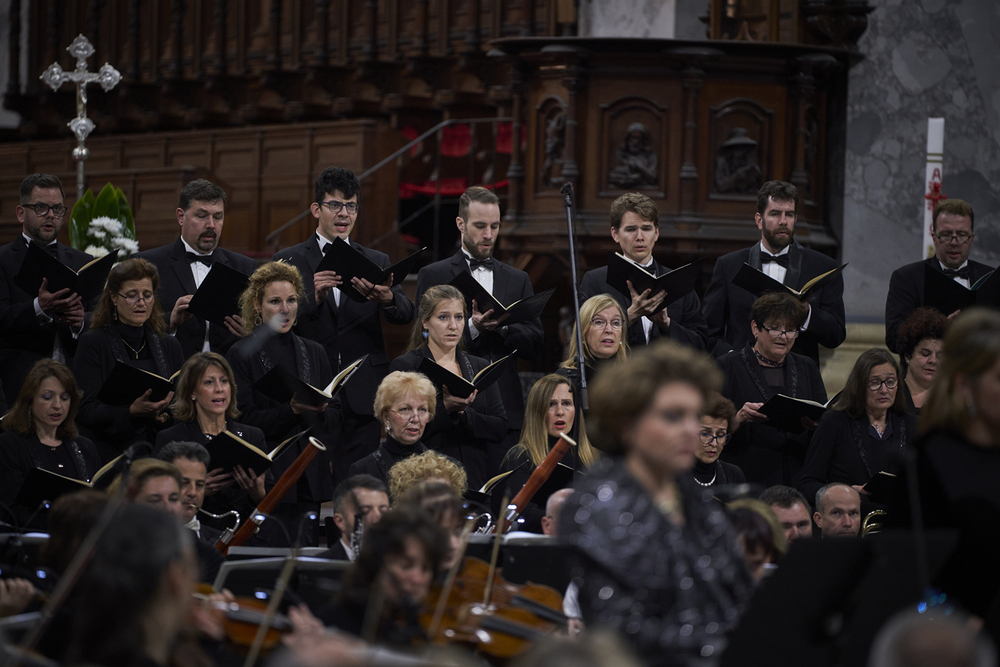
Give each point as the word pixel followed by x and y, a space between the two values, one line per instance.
pixel 389 453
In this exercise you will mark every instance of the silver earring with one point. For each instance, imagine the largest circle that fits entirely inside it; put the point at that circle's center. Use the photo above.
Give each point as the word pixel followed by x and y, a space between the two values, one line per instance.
pixel 424 334
pixel 258 321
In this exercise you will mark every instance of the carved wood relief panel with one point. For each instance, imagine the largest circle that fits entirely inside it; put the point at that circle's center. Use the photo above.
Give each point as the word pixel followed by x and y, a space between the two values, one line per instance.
pixel 740 135
pixel 550 135
pixel 633 148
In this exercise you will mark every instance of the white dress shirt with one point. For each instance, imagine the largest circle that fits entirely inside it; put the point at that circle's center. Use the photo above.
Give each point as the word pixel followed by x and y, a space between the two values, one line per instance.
pixel 484 277
pixel 964 282
pixel 199 271
pixel 323 242
pixel 778 272
pixel 647 324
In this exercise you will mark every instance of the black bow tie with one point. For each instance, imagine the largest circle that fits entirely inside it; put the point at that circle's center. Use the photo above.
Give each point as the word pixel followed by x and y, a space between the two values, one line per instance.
pixel 958 273
pixel 204 259
pixel 476 263
pixel 51 248
pixel 781 260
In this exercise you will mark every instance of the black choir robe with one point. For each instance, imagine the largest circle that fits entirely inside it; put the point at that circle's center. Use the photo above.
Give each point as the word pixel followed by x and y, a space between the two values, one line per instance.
pixel 20 453
pixel 765 454
pixel 687 324
pixel 348 332
pixel 23 340
pixel 468 438
pixel 250 361
pixel 842 450
pixel 727 307
pixel 96 355
pixel 177 280
pixel 389 453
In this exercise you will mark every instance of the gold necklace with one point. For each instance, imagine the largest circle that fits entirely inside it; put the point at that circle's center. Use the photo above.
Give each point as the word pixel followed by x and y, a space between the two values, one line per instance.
pixel 135 351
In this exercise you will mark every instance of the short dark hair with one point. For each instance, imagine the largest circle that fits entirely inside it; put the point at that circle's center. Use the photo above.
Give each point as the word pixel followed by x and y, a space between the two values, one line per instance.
pixel 852 398
pixel 201 190
pixel 957 207
pixel 776 191
pixel 180 449
pixel 345 489
pixel 477 194
pixel 637 203
pixel 38 181
pixel 784 497
pixel 336 178
pixel 780 306
pixel 922 323
pixel 719 407
pixel 20 418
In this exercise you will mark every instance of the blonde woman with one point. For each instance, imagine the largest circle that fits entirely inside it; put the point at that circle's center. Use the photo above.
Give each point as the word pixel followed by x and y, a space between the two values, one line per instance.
pixel 605 332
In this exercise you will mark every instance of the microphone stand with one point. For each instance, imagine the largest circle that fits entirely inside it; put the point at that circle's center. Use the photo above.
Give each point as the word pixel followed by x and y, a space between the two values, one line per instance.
pixel 567 191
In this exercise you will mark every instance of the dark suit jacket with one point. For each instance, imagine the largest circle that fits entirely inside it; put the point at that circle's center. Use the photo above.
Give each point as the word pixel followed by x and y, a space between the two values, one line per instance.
pixel 276 420
pixel 906 293
pixel 336 552
pixel 469 437
pixel 509 285
pixel 727 307
pixel 176 280
pixel 687 324
pixel 23 341
pixel 97 353
pixel 346 333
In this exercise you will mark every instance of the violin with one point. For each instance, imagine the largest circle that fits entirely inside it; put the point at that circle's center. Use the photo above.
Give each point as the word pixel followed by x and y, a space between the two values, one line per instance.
pixel 241 618
pixel 482 609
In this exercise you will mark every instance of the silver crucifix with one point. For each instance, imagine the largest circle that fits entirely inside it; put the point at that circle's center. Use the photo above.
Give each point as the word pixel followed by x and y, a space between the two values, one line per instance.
pixel 55 76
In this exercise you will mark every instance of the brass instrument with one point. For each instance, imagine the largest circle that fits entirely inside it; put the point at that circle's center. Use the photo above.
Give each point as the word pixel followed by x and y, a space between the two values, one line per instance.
pixel 228 532
pixel 872 522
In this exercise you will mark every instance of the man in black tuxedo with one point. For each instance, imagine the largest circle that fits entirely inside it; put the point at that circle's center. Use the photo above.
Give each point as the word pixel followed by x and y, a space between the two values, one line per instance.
pixel 952 232
pixel 46 324
pixel 346 329
pixel 727 307
pixel 185 263
pixel 478 223
pixel 358 495
pixel 635 226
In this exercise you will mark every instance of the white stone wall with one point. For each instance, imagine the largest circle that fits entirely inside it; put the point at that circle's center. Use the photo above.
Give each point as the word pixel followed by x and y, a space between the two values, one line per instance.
pixel 626 18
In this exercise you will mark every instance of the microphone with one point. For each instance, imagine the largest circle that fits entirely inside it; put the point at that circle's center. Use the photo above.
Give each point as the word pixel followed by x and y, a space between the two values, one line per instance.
pixel 308 516
pixel 567 191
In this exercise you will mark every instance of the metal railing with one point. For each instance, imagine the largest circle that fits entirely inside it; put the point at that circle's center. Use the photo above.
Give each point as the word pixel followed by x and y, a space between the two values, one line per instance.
pixel 436 202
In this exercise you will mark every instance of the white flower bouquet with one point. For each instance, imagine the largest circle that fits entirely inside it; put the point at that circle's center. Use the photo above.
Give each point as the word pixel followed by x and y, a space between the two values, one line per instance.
pixel 102 224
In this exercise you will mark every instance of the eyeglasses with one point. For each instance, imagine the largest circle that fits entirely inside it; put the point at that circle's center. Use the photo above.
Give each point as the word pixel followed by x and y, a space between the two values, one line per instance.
pixel 334 206
pixel 409 413
pixel 890 383
pixel 136 297
pixel 707 438
pixel 42 210
pixel 778 333
pixel 598 323
pixel 957 237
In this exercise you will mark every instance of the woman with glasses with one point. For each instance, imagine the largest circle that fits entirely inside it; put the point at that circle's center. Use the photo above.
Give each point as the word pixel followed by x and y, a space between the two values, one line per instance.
pixel 605 330
pixel 865 432
pixel 462 428
pixel 717 426
pixel 127 327
pixel 404 403
pixel 768 455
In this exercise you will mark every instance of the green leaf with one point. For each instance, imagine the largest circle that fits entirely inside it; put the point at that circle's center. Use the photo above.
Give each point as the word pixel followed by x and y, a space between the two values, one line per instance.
pixel 83 213
pixel 126 215
pixel 107 203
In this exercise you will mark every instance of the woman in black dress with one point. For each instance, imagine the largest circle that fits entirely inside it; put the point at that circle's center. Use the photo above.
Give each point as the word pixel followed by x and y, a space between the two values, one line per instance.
pixel 127 327
pixel 269 308
pixel 919 343
pixel 204 407
pixel 717 426
pixel 768 455
pixel 40 432
pixel 549 411
pixel 657 559
pixel 605 330
pixel 404 403
pixel 865 433
pixel 464 429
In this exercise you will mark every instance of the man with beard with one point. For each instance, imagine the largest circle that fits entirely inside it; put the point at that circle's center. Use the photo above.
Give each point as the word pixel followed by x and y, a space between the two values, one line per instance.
pixel 46 324
pixel 184 264
pixel 478 223
pixel 727 307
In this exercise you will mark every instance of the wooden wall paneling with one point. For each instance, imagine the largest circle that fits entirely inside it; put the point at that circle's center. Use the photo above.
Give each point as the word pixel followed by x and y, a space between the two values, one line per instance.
pixel 632 149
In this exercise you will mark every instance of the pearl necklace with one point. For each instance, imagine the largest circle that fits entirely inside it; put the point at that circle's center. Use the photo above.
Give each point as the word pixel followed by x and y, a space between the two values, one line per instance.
pixel 709 483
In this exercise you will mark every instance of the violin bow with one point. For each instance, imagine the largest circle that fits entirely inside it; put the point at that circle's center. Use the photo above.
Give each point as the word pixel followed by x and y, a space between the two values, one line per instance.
pixel 488 591
pixel 449 581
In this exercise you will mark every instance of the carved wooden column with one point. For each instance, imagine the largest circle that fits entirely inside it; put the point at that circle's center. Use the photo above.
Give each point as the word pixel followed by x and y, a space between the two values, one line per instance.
pixel 14 51
pixel 370 50
pixel 472 42
pixel 322 33
pixel 803 90
pixel 574 82
pixel 176 63
pixel 692 78
pixel 420 38
pixel 515 172
pixel 274 52
pixel 219 16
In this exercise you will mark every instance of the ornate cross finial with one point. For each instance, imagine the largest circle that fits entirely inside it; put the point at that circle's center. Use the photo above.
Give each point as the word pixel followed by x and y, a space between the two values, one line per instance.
pixel 55 76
